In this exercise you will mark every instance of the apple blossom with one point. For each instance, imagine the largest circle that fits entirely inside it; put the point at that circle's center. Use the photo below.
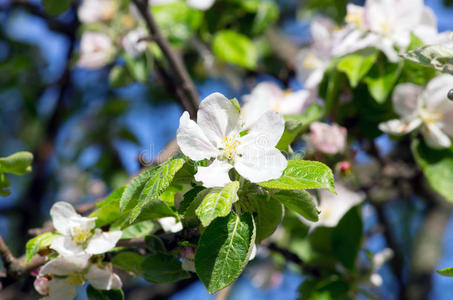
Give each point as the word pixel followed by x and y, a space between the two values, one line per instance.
pixel 269 96
pixel 197 4
pixel 59 278
pixel 327 138
pixel 132 44
pixel 96 50
pixel 220 134
pixel 78 235
pixel 379 259
pixel 96 10
pixel 170 224
pixel 429 109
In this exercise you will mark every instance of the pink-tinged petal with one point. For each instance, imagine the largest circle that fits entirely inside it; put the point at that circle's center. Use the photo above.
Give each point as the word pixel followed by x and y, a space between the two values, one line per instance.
pixel 102 242
pixel 103 279
pixel 65 246
pixel 399 127
pixel 61 212
pixel 327 138
pixel 41 285
pixel 214 175
pixel 217 118
pixel 62 266
pixel 192 141
pixel 260 164
pixel 434 136
pixel 265 132
pixel 406 99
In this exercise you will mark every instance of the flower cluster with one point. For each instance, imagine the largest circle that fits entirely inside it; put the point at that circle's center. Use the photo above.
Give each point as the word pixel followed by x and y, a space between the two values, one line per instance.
pixel 80 247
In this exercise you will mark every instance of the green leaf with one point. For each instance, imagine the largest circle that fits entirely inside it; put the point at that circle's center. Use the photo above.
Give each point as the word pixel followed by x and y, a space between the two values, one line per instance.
pixel 347 237
pixel 34 245
pixel 137 67
pixel 56 7
pixel 159 181
pixel 223 250
pixel 18 163
pixel 382 79
pixel 189 197
pixel 190 217
pixel 108 210
pixel 299 201
pixel 217 203
pixel 269 214
pixel 437 56
pixel 140 229
pixel 266 14
pixel 357 65
pixel 303 174
pixel 94 294
pixel 4 185
pixel 236 48
pixel 120 77
pixel 160 268
pixel 446 272
pixel 129 261
pixel 134 188
pixel 437 165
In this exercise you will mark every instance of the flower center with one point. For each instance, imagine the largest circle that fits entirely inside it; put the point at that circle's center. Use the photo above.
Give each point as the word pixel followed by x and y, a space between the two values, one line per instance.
pixel 75 279
pixel 230 146
pixel 430 116
pixel 385 28
pixel 354 18
pixel 311 62
pixel 81 235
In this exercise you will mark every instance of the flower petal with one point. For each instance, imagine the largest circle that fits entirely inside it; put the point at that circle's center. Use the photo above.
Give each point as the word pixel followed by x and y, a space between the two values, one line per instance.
pixel 214 175
pixel 60 289
pixel 102 242
pixel 192 141
pixel 435 93
pixel 265 132
pixel 217 118
pixel 103 279
pixel 406 99
pixel 260 101
pixel 170 224
pixel 434 136
pixel 399 127
pixel 65 265
pixel 61 212
pixel 65 246
pixel 260 164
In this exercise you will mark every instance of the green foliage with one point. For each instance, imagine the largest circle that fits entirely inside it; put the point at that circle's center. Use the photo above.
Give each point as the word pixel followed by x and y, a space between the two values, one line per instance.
pixel 437 165
pixel 223 250
pixel 129 262
pixel 357 65
pixel 382 79
pixel 56 7
pixel 34 245
pixel 94 294
pixel 446 272
pixel 299 201
pixel 269 214
pixel 331 288
pixel 140 229
pixel 235 48
pixel 18 163
pixel 160 268
pixel 108 210
pixel 439 57
pixel 267 12
pixel 303 174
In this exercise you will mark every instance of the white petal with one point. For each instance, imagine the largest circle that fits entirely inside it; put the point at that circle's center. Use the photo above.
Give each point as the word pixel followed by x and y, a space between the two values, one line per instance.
pixel 201 4
pixel 260 164
pixel 406 98
pixel 65 265
pixel 315 78
pixel 103 279
pixel 399 127
pixel 263 97
pixel 192 141
pixel 265 132
pixel 65 246
pixel 435 93
pixel 295 103
pixel 61 212
pixel 214 175
pixel 253 253
pixel 170 224
pixel 80 222
pixel 434 137
pixel 217 118
pixel 60 289
pixel 102 242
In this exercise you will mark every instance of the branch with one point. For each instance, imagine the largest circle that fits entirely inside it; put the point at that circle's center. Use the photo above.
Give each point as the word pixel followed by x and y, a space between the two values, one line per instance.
pixel 185 89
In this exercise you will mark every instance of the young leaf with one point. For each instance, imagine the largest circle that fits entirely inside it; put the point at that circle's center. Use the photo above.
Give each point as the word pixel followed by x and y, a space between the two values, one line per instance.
pixel 437 56
pixel 108 210
pixel 223 250
pixel 299 201
pixel 140 229
pixel 94 294
pixel 37 243
pixel 188 198
pixel 217 203
pixel 160 268
pixel 303 174
pixel 135 187
pixel 129 261
pixel 446 272
pixel 18 163
pixel 381 79
pixel 437 165
pixel 269 214
pixel 236 48
pixel 357 65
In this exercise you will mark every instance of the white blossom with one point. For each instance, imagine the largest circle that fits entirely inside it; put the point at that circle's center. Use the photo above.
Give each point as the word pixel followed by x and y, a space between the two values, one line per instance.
pixel 269 96
pixel 59 278
pixel 196 4
pixel 220 134
pixel 170 224
pixel 429 109
pixel 96 50
pixel 96 10
pixel 379 259
pixel 131 42
pixel 78 234
pixel 327 138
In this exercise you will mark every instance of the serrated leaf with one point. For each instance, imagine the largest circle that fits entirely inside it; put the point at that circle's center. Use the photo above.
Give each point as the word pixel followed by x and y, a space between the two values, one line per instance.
pixel 437 166
pixel 437 56
pixel 217 203
pixel 160 268
pixel 299 201
pixel 357 65
pixel 129 261
pixel 446 272
pixel 18 163
pixel 94 294
pixel 34 245
pixel 190 218
pixel 303 174
pixel 56 7
pixel 223 250
pixel 159 181
pixel 269 214
pixel 236 48
pixel 140 229
pixel 188 198
pixel 108 210
pixel 135 187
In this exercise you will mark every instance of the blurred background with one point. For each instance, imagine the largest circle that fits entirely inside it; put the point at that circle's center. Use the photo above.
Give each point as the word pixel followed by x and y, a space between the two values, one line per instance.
pixel 89 135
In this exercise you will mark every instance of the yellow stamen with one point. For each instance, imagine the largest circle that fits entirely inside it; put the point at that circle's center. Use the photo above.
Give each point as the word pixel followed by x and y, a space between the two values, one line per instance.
pixel 81 235
pixel 230 147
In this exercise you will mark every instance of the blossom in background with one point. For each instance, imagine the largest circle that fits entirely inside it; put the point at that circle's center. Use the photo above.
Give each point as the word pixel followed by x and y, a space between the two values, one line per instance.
pixel 188 256
pixel 78 236
pixel 384 24
pixel 59 278
pixel 131 42
pixel 269 96
pixel 333 207
pixel 170 224
pixel 429 109
pixel 196 4
pixel 327 138
pixel 96 50
pixel 97 10
pixel 379 259
pixel 220 134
